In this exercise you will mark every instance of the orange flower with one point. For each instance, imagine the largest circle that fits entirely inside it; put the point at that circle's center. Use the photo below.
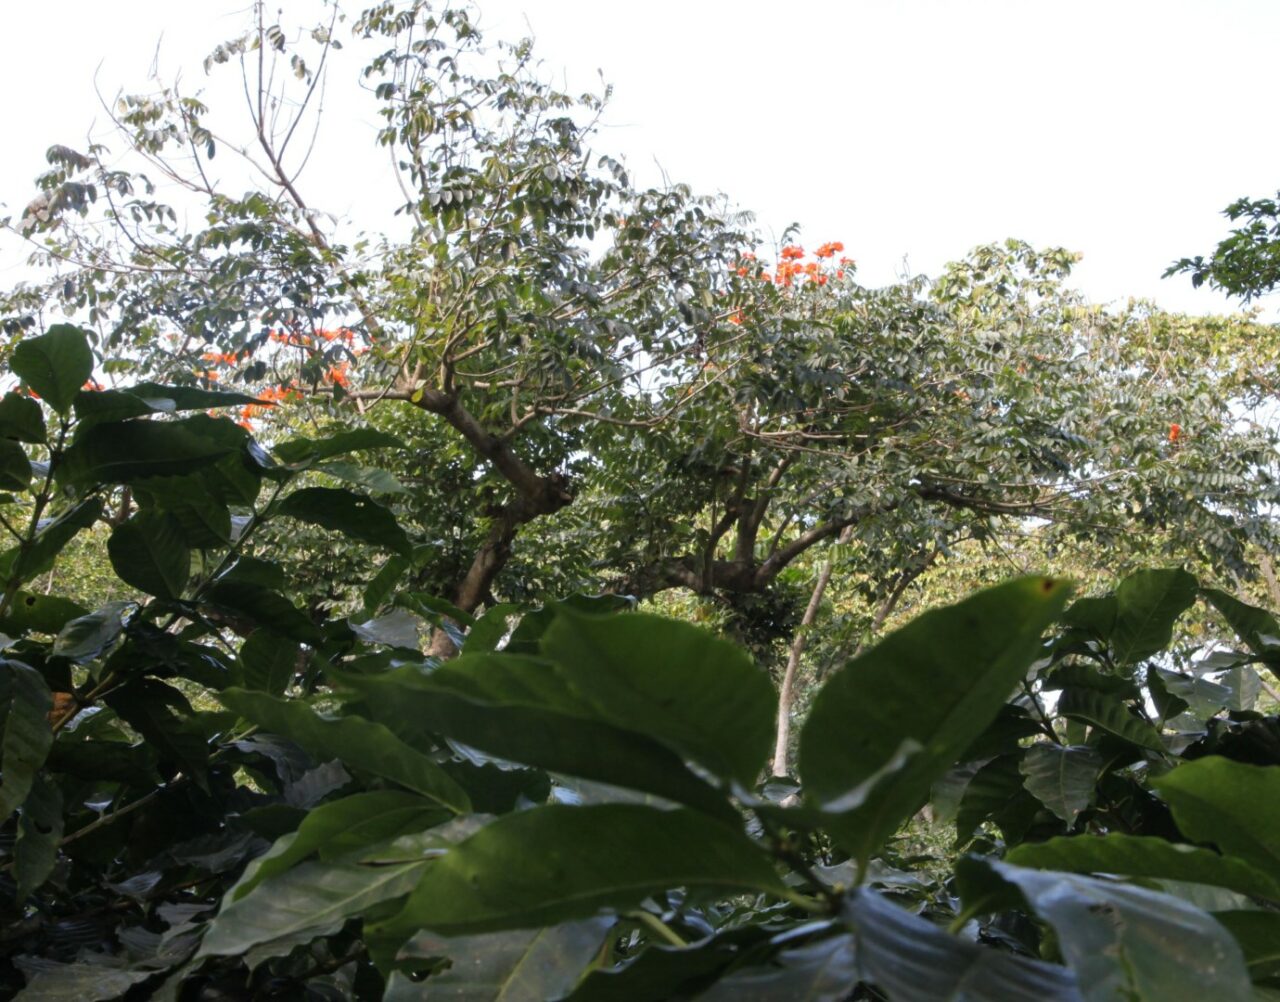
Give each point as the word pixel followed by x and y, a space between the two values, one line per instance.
pixel 736 318
pixel 792 253
pixel 829 249
pixel 1175 432
pixel 92 385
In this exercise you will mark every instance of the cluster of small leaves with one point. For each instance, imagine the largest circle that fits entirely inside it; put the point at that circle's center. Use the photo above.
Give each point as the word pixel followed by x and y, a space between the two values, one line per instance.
pixel 1246 263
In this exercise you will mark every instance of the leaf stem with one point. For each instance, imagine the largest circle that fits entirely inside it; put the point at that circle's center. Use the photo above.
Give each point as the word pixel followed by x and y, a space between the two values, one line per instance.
pixel 656 926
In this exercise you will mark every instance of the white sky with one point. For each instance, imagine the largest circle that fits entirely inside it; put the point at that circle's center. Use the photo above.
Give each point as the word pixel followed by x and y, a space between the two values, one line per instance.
pixel 909 130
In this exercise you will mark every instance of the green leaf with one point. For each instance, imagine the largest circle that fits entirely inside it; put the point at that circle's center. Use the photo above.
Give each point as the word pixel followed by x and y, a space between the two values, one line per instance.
pixel 1258 934
pixel 42 613
pixel 359 743
pixel 824 971
pixel 338 827
pixel 698 695
pixel 86 637
pixel 21 419
pixel 51 981
pixel 997 792
pixel 351 514
pixel 149 553
pixel 262 606
pixel 162 715
pixel 398 628
pixel 15 467
pixel 524 965
pixel 1256 627
pixel 1145 856
pixel 520 709
pixel 24 563
pixel 1148 603
pixel 940 681
pixel 574 861
pixel 125 451
pixel 383 584
pixel 912 960
pixel 269 661
pixel 666 972
pixel 39 833
pixel 25 702
pixel 1121 941
pixel 369 477
pixel 1230 804
pixel 319 896
pixel 299 451
pixel 55 364
pixel 1096 616
pixel 1061 777
pixel 190 398
pixel 1110 714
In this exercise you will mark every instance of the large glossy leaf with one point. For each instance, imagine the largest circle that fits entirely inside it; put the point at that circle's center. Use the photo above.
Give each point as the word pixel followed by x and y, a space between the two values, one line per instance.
pixel 54 364
pixel 911 960
pixel 15 467
pixel 1121 941
pixel 1256 627
pixel 319 896
pixel 164 717
pixel 520 709
pixel 1145 856
pixel 520 965
pixel 52 981
pixel 264 606
pixel 997 792
pixel 39 833
pixel 344 511
pixel 675 683
pixel 939 681
pixel 21 419
pixel 1148 603
pixel 268 661
pixel 1258 933
pixel 339 827
pixel 574 861
pixel 1230 804
pixel 25 701
pixel 309 450
pixel 43 613
pixel 22 563
pixel 360 743
pixel 149 553
pixel 86 637
pixel 123 451
pixel 1109 713
pixel 1061 777
pixel 369 477
pixel 825 971
pixel 664 972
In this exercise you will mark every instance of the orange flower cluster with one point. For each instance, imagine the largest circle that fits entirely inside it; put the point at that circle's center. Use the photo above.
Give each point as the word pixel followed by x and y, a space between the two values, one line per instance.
pixel 338 374
pixel 92 385
pixel 220 357
pixel 1175 432
pixel 792 268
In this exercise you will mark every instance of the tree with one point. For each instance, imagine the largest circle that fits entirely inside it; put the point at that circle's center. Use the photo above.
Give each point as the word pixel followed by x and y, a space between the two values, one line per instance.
pixel 1247 262
pixel 613 369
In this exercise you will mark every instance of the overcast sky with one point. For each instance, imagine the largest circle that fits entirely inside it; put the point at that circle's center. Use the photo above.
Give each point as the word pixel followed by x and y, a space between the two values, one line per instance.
pixel 911 130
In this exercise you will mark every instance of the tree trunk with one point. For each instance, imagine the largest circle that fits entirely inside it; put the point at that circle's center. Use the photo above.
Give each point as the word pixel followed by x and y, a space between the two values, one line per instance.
pixel 786 694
